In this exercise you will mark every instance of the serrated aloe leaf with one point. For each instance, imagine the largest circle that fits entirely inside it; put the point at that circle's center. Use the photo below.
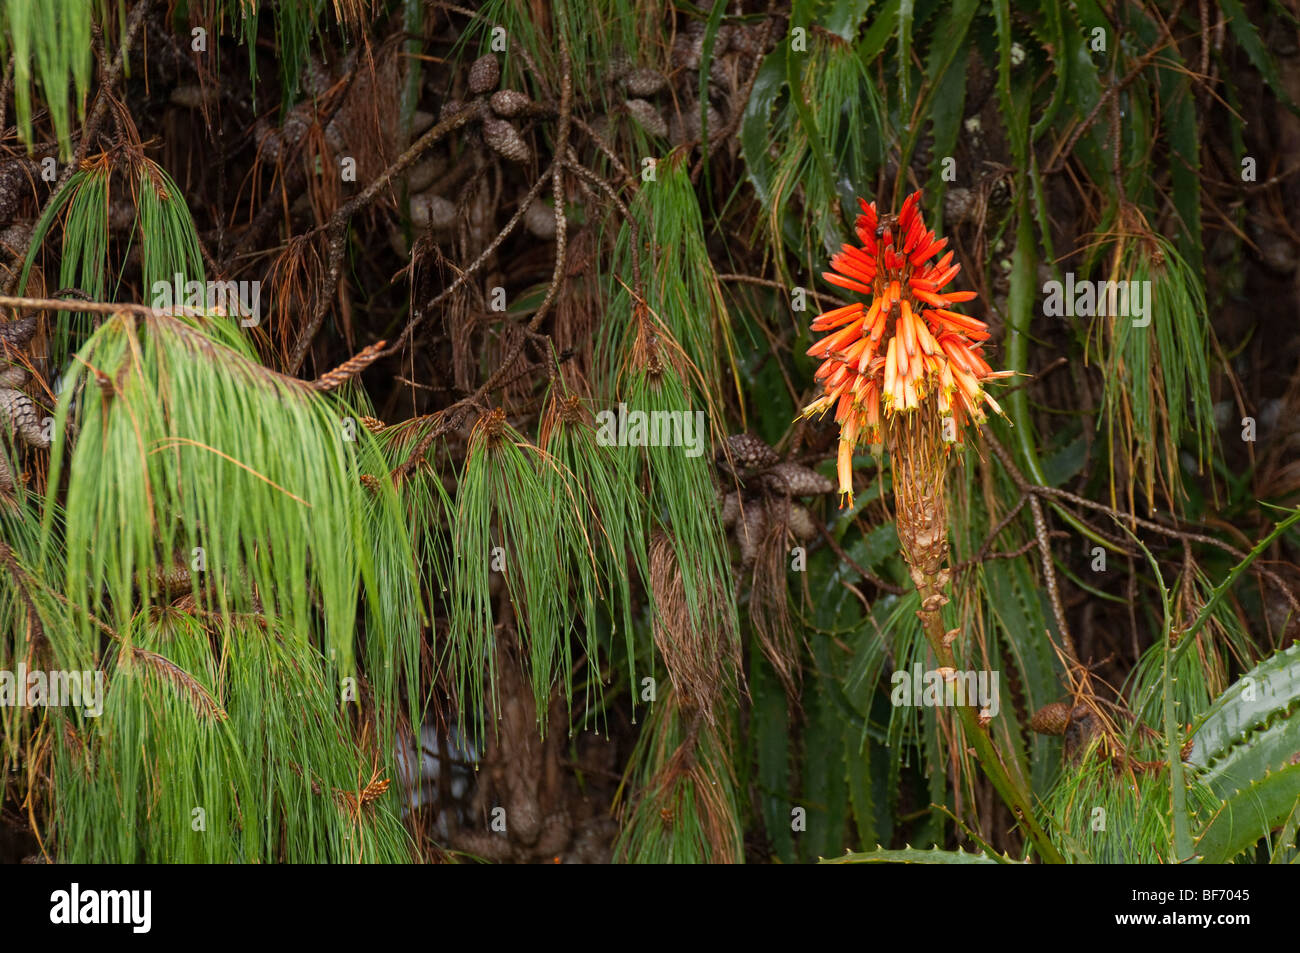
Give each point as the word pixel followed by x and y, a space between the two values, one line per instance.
pixel 1261 697
pixel 1249 814
pixel 913 855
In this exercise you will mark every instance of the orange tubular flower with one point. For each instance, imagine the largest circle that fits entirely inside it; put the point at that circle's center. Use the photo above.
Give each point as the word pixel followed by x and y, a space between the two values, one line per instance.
pixel 907 346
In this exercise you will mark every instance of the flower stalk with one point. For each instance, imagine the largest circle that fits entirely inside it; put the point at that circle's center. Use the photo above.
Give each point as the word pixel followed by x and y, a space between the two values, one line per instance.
pixel 907 371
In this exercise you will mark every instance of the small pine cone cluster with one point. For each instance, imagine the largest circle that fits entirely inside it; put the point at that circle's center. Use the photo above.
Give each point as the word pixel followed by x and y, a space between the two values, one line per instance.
pixel 493 108
pixel 638 85
pixel 751 519
pixel 766 498
pixel 1077 725
pixel 791 479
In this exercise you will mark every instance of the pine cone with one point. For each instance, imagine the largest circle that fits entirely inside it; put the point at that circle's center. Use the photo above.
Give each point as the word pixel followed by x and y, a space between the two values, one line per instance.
pixel 450 108
pixel 619 66
pixel 751 453
pixel 1080 731
pixel 433 211
pixel 13 377
pixel 16 177
pixel 801 522
pixel 747 40
pixel 508 103
pixel 686 126
pixel 484 74
pixel 23 419
pixel 16 234
pixel 505 141
pixel 793 479
pixel 645 82
pixel 749 533
pixel 540 220
pixel 688 48
pixel 730 508
pixel 647 117
pixel 1051 719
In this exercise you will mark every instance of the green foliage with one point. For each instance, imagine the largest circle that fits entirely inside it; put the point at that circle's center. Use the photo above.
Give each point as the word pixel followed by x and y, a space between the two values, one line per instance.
pixel 1107 811
pixel 1157 377
pixel 294 23
pixel 597 33
pixel 1248 814
pixel 50 45
pixel 823 110
pixel 163 227
pixel 235 756
pixel 196 472
pixel 232 547
pixel 543 542
pixel 1253 728
pixel 1244 748
pixel 1241 782
pixel 688 811
pixel 610 524
pixel 166 468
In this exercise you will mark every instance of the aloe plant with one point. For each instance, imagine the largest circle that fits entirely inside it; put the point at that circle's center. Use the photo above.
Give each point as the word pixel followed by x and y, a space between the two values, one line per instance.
pixel 1244 750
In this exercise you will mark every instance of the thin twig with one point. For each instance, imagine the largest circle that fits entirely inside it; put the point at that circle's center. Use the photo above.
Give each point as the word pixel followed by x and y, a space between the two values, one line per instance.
pixel 336 228
pixel 638 288
pixel 603 147
pixel 1023 484
pixel 844 557
pixel 331 380
pixel 997 530
pixel 472 269
pixel 557 172
pixel 1062 152
pixel 833 301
